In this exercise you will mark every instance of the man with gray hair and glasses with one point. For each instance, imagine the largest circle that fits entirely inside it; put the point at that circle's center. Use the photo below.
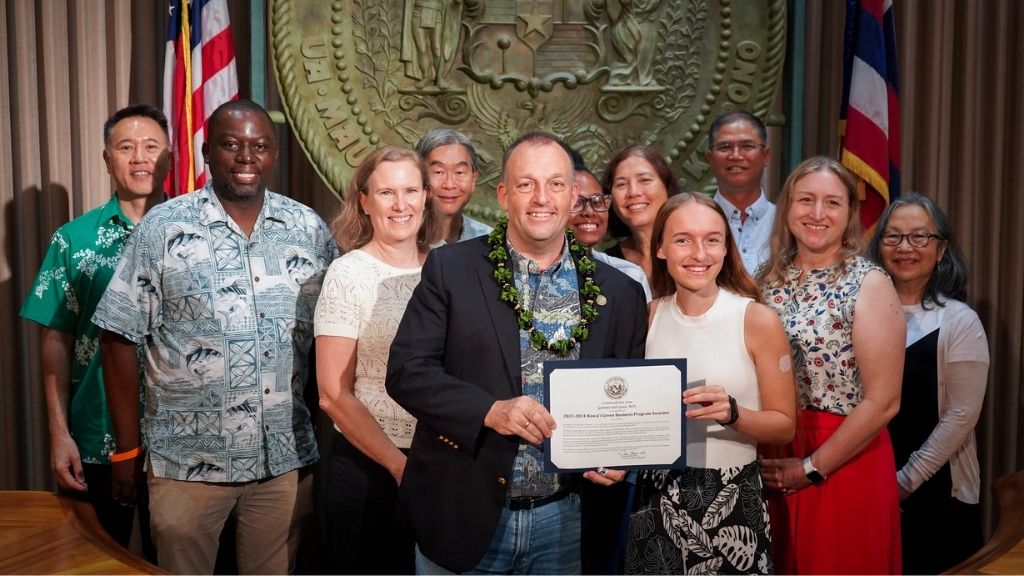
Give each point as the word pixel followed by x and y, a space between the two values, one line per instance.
pixel 452 167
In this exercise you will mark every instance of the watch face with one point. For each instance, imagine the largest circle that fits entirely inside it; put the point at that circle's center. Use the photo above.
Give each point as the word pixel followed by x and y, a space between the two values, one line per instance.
pixel 815 477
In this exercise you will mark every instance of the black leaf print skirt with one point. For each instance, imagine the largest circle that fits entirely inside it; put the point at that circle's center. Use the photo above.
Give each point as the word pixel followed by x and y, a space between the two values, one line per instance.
pixel 699 521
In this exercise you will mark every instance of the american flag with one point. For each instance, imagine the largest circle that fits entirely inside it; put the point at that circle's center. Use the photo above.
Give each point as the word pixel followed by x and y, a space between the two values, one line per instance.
pixel 196 81
pixel 869 117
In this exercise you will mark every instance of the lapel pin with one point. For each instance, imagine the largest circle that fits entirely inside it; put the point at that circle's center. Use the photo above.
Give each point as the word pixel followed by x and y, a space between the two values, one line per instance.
pixel 601 300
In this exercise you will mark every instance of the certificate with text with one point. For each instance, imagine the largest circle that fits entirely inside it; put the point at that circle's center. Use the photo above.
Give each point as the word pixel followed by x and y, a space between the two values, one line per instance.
pixel 624 414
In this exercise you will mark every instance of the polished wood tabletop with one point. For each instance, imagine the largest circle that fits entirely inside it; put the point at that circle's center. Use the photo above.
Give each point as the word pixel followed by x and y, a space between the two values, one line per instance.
pixel 46 533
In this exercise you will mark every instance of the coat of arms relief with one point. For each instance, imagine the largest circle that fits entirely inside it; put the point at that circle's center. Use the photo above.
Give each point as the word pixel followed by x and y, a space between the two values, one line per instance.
pixel 601 74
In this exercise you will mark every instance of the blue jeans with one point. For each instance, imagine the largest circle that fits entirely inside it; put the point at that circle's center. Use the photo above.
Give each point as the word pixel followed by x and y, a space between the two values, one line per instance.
pixel 544 540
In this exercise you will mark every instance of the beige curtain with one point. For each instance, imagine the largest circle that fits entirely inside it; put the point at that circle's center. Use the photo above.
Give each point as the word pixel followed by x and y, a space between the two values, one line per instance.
pixel 67 64
pixel 962 85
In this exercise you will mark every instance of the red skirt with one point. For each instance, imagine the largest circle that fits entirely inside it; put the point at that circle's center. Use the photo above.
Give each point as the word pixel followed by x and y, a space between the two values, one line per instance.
pixel 848 524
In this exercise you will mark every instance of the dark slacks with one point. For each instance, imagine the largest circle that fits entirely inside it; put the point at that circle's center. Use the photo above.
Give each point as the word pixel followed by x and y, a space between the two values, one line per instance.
pixel 367 531
pixel 116 519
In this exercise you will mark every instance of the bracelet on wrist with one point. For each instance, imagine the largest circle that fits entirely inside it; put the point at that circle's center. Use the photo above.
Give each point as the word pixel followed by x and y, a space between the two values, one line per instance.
pixel 126 455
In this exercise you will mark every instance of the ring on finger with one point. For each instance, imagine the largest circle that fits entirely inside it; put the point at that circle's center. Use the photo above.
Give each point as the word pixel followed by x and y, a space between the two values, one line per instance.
pixel 602 471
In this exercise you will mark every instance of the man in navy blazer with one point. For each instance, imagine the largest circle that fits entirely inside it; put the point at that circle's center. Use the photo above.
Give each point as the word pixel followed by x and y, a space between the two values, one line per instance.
pixel 473 485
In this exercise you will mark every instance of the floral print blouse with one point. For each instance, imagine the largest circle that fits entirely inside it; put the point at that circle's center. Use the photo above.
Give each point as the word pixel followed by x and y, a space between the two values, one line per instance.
pixel 817 314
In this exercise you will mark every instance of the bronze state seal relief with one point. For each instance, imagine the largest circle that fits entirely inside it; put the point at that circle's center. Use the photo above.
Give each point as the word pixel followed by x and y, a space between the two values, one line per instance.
pixel 601 74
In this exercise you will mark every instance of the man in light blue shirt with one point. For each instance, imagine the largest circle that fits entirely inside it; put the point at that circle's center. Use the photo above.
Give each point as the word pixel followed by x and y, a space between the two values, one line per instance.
pixel 738 153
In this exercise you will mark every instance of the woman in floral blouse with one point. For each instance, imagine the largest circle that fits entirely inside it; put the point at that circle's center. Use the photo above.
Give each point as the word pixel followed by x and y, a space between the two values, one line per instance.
pixel 835 506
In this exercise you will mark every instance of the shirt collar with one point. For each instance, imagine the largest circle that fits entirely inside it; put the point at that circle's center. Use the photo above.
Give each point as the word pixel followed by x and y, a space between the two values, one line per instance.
pixel 756 210
pixel 112 213
pixel 211 210
pixel 523 265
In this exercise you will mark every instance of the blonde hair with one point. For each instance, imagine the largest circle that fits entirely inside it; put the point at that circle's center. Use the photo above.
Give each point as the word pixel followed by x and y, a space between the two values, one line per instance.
pixel 352 228
pixel 783 243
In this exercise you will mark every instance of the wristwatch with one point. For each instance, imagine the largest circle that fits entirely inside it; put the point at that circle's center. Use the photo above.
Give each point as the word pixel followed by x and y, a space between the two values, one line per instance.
pixel 812 473
pixel 734 413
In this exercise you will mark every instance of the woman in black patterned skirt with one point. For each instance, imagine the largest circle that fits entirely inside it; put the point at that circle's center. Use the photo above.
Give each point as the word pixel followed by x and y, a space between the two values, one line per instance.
pixel 711 517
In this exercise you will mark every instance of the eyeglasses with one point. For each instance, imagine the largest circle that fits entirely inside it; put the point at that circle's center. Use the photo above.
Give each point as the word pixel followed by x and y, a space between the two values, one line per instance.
pixel 744 147
pixel 599 203
pixel 915 239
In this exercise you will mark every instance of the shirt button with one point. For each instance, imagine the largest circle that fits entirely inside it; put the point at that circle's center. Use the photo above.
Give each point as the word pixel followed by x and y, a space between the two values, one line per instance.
pixel 266 354
pixel 257 279
pixel 263 314
pixel 266 390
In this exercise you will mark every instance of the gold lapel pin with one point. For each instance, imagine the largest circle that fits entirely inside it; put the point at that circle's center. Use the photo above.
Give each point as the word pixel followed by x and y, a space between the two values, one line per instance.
pixel 601 300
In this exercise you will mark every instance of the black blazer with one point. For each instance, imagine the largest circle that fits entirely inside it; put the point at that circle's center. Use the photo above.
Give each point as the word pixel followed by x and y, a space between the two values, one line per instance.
pixel 457 352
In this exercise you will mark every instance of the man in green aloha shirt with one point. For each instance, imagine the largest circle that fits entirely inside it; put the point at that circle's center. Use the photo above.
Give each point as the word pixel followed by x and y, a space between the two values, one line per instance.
pixel 72 277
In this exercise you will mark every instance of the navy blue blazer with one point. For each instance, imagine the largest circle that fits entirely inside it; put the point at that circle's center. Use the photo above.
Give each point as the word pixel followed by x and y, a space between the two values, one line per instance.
pixel 455 353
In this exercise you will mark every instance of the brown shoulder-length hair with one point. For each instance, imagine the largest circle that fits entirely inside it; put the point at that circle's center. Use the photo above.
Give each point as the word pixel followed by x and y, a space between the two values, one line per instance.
pixel 616 227
pixel 733 276
pixel 783 243
pixel 352 228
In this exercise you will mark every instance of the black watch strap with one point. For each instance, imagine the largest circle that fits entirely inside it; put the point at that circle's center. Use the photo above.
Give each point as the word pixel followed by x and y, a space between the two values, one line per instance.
pixel 734 413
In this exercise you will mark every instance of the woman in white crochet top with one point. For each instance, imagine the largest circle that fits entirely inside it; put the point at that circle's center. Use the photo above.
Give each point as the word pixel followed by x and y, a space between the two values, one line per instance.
pixel 385 228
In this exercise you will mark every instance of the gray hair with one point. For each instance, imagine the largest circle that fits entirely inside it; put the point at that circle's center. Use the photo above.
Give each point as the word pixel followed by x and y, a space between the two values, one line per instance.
pixel 443 137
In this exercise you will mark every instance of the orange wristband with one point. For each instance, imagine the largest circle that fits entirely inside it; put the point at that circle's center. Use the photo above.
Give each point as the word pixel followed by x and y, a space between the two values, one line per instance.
pixel 126 455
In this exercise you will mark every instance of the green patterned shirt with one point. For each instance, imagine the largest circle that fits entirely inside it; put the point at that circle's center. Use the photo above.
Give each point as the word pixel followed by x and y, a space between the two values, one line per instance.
pixel 72 277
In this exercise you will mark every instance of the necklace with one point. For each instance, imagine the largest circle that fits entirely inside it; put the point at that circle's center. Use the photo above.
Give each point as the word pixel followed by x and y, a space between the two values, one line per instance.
pixel 588 291
pixel 713 302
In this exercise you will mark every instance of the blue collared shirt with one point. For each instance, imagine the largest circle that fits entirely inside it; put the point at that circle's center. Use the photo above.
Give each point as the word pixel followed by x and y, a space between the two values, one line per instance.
pixel 473 228
pixel 227 322
pixel 753 236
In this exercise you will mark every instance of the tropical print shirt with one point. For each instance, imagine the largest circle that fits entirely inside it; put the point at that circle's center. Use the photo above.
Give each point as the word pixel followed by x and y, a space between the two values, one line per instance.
pixel 552 296
pixel 72 278
pixel 227 324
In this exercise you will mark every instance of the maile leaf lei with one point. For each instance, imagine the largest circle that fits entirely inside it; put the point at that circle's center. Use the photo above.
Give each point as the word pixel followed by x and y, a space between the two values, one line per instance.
pixel 588 291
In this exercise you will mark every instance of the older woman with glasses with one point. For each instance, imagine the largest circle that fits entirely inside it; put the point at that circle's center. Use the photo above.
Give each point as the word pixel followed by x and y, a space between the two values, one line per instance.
pixel 944 378
pixel 836 508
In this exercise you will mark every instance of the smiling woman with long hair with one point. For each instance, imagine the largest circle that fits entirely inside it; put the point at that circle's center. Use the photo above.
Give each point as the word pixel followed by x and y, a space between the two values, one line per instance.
pixel 640 180
pixel 710 517
pixel 385 227
pixel 835 506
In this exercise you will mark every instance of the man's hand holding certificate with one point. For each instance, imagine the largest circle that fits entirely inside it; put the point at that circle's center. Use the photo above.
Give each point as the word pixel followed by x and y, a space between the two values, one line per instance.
pixel 615 414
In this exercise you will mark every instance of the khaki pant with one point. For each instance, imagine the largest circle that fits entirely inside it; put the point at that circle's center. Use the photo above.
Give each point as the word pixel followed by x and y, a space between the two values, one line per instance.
pixel 187 519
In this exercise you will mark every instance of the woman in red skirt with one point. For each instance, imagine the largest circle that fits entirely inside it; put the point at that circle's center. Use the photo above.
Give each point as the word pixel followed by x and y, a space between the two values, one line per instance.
pixel 834 508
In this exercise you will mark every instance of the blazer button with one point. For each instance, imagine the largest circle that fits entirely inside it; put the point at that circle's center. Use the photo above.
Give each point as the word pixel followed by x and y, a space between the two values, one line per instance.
pixel 502 481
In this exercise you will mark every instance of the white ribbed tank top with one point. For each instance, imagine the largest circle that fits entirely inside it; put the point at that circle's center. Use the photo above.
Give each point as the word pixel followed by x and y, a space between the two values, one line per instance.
pixel 716 352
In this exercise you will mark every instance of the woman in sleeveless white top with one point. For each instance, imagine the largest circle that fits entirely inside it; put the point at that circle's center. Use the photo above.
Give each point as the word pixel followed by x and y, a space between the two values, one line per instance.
pixel 711 517
pixel 385 228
